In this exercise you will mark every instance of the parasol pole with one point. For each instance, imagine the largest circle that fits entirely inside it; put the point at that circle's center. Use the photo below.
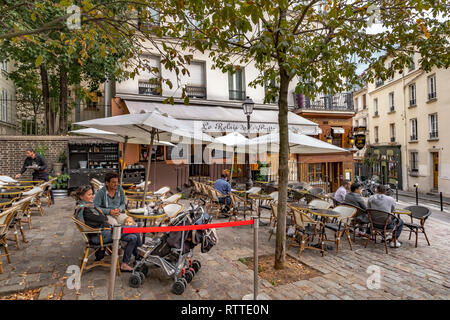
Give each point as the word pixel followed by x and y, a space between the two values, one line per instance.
pixel 123 158
pixel 232 164
pixel 149 161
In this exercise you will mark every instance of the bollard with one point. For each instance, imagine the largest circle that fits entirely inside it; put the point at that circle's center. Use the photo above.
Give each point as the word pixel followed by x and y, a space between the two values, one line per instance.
pixel 417 196
pixel 255 256
pixel 396 191
pixel 442 205
pixel 115 253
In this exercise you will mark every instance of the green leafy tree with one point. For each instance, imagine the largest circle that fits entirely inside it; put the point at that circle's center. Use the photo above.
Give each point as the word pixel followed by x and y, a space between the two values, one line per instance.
pixel 319 43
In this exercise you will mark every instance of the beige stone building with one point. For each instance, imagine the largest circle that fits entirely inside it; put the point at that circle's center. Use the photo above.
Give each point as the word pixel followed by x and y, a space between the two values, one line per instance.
pixel 360 127
pixel 7 100
pixel 407 129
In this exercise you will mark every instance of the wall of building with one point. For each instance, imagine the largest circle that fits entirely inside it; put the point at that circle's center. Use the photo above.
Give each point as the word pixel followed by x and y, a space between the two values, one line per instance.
pixel 12 151
pixel 8 123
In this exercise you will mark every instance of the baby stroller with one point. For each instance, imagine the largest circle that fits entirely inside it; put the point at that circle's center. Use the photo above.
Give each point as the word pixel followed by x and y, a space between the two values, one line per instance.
pixel 173 251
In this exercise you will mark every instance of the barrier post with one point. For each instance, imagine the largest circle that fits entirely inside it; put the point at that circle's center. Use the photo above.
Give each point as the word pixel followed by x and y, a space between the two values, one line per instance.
pixel 417 196
pixel 442 204
pixel 115 253
pixel 396 191
pixel 255 256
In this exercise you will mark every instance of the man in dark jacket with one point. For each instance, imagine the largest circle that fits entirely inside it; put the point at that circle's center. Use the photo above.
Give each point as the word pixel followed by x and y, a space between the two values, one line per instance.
pixel 38 164
pixel 354 197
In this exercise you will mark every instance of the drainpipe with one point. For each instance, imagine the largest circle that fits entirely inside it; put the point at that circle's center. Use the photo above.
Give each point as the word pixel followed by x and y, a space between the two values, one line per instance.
pixel 405 142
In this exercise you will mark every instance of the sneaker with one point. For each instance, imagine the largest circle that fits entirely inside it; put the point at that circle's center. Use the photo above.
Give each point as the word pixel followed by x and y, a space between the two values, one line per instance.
pixel 397 244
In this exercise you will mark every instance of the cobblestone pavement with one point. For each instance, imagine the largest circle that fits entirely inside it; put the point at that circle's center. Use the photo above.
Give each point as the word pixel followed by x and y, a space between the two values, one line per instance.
pixel 406 272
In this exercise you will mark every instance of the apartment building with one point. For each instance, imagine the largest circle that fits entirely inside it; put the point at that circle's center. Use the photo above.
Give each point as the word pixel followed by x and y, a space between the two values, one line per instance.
pixel 225 92
pixel 7 100
pixel 406 113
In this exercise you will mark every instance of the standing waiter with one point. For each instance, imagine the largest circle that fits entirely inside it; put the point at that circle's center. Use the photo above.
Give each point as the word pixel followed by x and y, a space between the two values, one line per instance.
pixel 39 166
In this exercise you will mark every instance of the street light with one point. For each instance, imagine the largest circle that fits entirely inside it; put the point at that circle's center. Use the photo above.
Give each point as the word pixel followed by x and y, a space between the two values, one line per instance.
pixel 248 110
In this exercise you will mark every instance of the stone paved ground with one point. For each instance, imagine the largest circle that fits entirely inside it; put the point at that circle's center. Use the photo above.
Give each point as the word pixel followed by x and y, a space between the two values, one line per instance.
pixel 406 273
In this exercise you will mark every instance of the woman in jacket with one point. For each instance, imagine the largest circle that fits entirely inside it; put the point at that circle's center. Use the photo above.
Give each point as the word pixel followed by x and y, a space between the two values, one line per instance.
pixel 95 218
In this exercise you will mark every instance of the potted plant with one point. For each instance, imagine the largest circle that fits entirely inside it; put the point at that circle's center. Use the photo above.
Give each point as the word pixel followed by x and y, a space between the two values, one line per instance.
pixel 57 166
pixel 61 186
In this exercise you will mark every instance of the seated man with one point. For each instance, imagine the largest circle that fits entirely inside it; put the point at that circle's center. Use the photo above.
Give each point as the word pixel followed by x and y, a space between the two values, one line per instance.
pixel 380 201
pixel 354 197
pixel 224 187
pixel 111 199
pixel 341 192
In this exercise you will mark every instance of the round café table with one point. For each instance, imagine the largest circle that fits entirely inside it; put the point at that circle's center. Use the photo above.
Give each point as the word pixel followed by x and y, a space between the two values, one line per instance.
pixel 134 213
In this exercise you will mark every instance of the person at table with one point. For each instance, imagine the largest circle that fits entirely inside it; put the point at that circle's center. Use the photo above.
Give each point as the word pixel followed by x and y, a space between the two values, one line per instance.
pixel 224 187
pixel 341 192
pixel 354 196
pixel 380 201
pixel 111 199
pixel 40 169
pixel 94 217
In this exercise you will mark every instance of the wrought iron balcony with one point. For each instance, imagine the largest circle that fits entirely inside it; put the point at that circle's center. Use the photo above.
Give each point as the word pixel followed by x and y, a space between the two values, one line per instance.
pixel 432 95
pixel 149 88
pixel 196 92
pixel 237 95
pixel 337 102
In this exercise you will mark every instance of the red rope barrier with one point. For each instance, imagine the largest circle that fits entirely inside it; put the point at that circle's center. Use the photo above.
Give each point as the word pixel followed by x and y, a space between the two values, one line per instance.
pixel 186 228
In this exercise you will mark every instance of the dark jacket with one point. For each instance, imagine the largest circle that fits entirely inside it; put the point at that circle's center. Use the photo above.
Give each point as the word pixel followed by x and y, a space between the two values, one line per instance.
pixel 91 216
pixel 355 199
pixel 38 160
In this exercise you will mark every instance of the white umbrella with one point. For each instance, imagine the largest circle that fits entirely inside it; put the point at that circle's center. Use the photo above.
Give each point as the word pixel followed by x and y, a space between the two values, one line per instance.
pixel 101 134
pixel 147 125
pixel 233 142
pixel 298 143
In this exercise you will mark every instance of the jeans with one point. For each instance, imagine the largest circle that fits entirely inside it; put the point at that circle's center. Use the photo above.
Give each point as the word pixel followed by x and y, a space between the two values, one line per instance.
pixel 225 200
pixel 133 241
pixel 392 225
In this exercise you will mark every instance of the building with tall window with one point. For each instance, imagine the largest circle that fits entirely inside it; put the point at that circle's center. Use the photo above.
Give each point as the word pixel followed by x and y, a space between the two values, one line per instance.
pixel 407 116
pixel 7 100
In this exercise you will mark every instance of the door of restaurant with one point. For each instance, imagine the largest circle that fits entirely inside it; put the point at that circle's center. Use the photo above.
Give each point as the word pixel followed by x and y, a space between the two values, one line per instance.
pixel 435 170
pixel 335 175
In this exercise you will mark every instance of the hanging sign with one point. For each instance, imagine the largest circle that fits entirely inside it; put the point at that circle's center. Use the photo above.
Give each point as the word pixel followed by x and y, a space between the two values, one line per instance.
pixel 360 141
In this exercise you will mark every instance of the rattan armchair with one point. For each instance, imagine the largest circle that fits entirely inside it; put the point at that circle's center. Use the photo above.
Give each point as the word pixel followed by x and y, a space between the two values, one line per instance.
pixel 379 222
pixel 342 225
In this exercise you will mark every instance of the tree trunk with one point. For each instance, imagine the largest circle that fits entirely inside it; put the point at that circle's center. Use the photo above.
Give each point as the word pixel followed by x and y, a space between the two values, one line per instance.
pixel 283 169
pixel 49 123
pixel 62 100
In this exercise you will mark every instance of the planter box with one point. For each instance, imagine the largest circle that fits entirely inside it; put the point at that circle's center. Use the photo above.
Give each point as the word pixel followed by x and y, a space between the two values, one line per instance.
pixel 60 193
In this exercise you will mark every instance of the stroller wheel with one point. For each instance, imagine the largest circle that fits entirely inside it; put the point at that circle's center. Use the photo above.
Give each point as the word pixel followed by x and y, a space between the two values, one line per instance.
pixel 135 281
pixel 142 276
pixel 196 265
pixel 178 287
pixel 143 269
pixel 189 275
pixel 184 282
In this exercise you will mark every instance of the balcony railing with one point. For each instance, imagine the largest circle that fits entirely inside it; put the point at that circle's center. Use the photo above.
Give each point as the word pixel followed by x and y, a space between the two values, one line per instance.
pixel 432 95
pixel 413 138
pixel 392 139
pixel 237 95
pixel 412 102
pixel 391 109
pixel 434 135
pixel 379 83
pixel 338 102
pixel 196 92
pixel 148 88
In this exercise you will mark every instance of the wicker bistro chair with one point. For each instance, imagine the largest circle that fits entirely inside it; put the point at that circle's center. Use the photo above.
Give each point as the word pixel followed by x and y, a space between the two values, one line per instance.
pixel 172 199
pixel 47 186
pixel 87 231
pixel 36 193
pixel 239 205
pixel 6 219
pixel 342 225
pixel 265 204
pixel 306 228
pixel 359 222
pixel 96 185
pixel 420 213
pixel 12 227
pixel 379 220
pixel 213 204
pixel 319 204
pixel 273 217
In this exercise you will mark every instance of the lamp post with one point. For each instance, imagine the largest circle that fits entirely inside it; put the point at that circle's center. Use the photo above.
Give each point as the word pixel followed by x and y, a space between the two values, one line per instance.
pixel 248 109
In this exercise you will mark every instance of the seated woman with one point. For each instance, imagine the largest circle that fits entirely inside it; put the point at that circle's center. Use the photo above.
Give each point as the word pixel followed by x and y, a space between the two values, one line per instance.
pixel 95 218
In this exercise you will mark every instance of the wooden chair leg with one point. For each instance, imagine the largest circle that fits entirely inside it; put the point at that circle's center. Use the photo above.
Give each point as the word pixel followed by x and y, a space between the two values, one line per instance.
pixel 84 261
pixel 1 264
pixel 417 236
pixel 24 240
pixel 349 238
pixel 302 244
pixel 337 236
pixel 7 253
pixel 426 236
